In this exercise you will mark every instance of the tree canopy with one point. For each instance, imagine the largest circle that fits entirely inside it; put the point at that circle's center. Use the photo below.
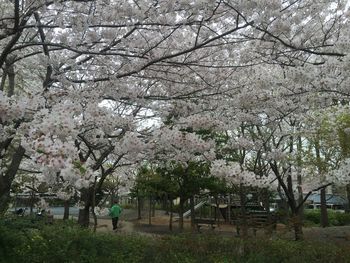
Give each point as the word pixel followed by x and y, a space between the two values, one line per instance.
pixel 90 86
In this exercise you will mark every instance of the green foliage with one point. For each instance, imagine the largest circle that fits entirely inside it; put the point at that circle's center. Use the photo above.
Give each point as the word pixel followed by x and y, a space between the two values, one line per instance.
pixel 335 218
pixel 23 240
pixel 78 165
pixel 150 181
pixel 189 180
pixel 287 251
pixel 176 180
pixel 343 122
pixel 342 219
pixel 313 216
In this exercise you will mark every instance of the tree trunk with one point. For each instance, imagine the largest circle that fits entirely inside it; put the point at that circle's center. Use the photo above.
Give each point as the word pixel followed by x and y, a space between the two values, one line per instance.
pixel 93 204
pixel 4 200
pixel 153 207
pixel 11 78
pixel 32 201
pixel 66 210
pixel 84 216
pixel 7 177
pixel 192 211
pixel 112 197
pixel 283 205
pixel 84 213
pixel 139 207
pixel 265 199
pixel 181 214
pixel 229 209
pixel 165 204
pixel 347 210
pixel 217 211
pixel 298 226
pixel 324 212
pixel 3 81
pixel 300 198
pixel 150 211
pixel 171 213
pixel 9 71
pixel 299 179
pixel 244 223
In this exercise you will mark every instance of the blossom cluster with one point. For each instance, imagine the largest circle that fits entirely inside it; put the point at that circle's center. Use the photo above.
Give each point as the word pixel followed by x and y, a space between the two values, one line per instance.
pixel 182 146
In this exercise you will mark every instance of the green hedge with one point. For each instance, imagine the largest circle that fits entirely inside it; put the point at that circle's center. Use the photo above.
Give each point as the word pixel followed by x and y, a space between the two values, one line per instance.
pixel 335 218
pixel 27 240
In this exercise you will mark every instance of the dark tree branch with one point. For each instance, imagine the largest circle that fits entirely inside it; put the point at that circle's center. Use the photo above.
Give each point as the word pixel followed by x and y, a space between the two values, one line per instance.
pixel 16 15
pixel 310 192
pixel 49 70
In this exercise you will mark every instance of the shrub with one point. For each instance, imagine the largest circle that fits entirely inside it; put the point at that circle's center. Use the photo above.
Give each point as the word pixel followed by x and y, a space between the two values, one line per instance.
pixel 313 216
pixel 343 219
pixel 335 218
pixel 21 241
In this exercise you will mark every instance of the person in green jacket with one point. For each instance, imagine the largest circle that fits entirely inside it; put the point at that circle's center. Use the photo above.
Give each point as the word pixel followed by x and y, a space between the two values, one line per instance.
pixel 115 212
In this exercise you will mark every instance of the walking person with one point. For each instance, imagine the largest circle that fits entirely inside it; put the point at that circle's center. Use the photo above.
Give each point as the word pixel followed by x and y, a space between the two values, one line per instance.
pixel 115 212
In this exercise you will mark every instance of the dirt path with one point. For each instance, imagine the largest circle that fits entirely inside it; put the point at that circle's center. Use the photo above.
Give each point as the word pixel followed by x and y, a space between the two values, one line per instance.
pixel 105 225
pixel 128 224
pixel 335 235
pixel 124 227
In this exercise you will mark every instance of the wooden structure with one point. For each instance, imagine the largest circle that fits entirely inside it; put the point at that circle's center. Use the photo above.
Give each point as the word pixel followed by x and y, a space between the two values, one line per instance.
pixel 255 220
pixel 255 215
pixel 199 222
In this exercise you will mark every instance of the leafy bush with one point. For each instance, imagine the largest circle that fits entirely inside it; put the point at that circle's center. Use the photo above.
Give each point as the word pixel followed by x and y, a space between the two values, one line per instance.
pixel 215 248
pixel 335 218
pixel 23 241
pixel 313 216
pixel 343 219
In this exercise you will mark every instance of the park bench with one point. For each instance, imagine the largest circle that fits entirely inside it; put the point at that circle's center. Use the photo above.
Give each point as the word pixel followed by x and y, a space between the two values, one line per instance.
pixel 199 222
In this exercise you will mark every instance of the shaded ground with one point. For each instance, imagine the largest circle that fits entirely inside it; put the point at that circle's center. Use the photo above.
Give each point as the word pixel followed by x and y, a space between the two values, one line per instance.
pixel 129 224
pixel 160 226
